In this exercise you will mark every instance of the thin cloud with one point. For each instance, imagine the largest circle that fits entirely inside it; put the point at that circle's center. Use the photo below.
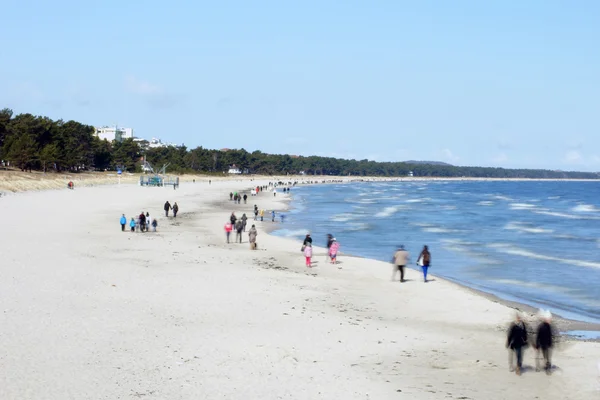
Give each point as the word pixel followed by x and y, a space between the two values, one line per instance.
pixel 155 96
pixel 573 157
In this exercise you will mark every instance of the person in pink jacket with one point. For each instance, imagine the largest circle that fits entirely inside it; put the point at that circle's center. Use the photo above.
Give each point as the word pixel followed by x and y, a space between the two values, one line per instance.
pixel 308 252
pixel 333 250
pixel 228 229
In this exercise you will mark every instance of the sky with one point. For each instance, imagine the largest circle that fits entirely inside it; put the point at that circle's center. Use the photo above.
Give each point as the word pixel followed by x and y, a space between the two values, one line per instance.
pixel 506 83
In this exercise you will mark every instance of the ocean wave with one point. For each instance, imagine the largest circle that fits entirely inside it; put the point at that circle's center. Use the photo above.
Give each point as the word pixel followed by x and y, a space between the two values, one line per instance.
pixel 506 198
pixel 423 200
pixel 520 227
pixel 586 208
pixel 449 208
pixel 389 211
pixel 553 197
pixel 522 206
pixel 563 215
pixel 344 217
pixel 291 233
pixel 356 226
pixel 535 285
pixel 485 203
pixel 436 229
pixel 516 251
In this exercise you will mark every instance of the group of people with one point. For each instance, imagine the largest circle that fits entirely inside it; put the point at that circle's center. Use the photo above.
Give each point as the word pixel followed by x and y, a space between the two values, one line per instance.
pixel 140 223
pixel 167 207
pixel 333 247
pixel 401 259
pixel 237 198
pixel 518 340
pixel 261 213
pixel 239 225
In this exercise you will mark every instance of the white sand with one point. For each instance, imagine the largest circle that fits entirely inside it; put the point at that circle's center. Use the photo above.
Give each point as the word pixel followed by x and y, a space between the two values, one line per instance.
pixel 89 312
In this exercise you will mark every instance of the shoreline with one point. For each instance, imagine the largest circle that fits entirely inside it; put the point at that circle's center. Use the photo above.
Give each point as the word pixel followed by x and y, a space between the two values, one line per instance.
pixel 563 324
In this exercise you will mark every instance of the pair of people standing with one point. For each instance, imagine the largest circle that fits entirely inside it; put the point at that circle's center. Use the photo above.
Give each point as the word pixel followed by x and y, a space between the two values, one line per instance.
pixel 168 207
pixel 402 257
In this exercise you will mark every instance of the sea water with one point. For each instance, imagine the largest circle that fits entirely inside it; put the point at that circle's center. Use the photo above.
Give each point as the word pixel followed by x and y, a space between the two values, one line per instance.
pixel 531 242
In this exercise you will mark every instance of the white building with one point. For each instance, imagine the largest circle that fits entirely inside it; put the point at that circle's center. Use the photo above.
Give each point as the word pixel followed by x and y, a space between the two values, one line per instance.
pixel 234 170
pixel 111 133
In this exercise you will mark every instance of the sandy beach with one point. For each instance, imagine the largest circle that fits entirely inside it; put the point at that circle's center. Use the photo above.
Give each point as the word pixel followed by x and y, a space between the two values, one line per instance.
pixel 90 312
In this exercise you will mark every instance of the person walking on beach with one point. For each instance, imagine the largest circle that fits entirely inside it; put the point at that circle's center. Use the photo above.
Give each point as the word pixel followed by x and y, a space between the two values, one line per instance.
pixel 333 250
pixel 232 219
pixel 516 341
pixel 245 198
pixel 400 260
pixel 167 207
pixel 329 242
pixel 175 210
pixel 308 252
pixel 132 224
pixel 123 222
pixel 262 215
pixel 154 224
pixel 228 229
pixel 142 222
pixel 137 223
pixel 239 228
pixel 255 212
pixel 244 220
pixel 252 234
pixel 543 341
pixel 230 196
pixel 273 216
pixel 424 261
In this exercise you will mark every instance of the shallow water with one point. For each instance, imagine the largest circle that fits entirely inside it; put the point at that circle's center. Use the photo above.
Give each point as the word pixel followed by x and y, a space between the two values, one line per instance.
pixel 534 242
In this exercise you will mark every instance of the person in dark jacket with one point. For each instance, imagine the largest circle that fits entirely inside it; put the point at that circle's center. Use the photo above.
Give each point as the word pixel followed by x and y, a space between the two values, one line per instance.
pixel 516 341
pixel 543 341
pixel 167 207
pixel 307 239
pixel 233 218
pixel 175 210
pixel 424 261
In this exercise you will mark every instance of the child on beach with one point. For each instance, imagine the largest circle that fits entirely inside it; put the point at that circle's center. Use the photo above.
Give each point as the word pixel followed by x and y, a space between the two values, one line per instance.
pixel 132 224
pixel 333 250
pixel 262 215
pixel 308 254
pixel 123 222
pixel 273 216
pixel 155 224
pixel 228 229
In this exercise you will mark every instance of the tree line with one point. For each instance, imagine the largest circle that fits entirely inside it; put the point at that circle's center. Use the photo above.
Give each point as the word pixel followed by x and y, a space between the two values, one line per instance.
pixel 38 143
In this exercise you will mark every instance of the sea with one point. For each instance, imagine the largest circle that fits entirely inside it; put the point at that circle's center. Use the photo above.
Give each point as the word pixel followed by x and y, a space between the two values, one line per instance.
pixel 533 242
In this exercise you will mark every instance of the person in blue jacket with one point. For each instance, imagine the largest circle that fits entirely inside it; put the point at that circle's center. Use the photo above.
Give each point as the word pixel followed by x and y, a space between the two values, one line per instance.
pixel 132 224
pixel 123 222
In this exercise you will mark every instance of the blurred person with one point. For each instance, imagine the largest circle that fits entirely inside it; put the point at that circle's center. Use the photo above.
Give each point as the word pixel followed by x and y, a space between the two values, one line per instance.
pixel 333 250
pixel 252 237
pixel 228 229
pixel 244 220
pixel 175 209
pixel 239 228
pixel 516 341
pixel 400 261
pixel 123 222
pixel 543 341
pixel 167 207
pixel 329 242
pixel 132 224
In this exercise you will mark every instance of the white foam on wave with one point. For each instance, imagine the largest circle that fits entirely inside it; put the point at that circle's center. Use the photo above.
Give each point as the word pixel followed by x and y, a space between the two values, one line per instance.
pixel 357 226
pixel 435 229
pixel 519 227
pixel 534 284
pixel 292 233
pixel 585 208
pixel 450 208
pixel 423 200
pixel 485 203
pixel 388 212
pixel 522 206
pixel 509 249
pixel 563 215
pixel 553 197
pixel 503 198
pixel 344 217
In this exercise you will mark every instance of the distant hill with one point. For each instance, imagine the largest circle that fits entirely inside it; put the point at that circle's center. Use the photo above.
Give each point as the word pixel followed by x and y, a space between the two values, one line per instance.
pixel 428 163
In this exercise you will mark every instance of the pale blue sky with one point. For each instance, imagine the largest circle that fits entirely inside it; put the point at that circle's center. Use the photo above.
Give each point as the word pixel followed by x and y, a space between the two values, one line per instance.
pixel 498 83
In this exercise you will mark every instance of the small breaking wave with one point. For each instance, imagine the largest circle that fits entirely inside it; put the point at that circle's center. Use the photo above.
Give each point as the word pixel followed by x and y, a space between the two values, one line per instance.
pixel 344 217
pixel 522 206
pixel 485 203
pixel 389 211
pixel 525 228
pixel 508 249
pixel 585 208
pixel 292 232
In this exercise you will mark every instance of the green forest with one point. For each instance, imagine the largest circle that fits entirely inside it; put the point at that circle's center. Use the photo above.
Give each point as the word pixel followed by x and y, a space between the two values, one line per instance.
pixel 36 143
